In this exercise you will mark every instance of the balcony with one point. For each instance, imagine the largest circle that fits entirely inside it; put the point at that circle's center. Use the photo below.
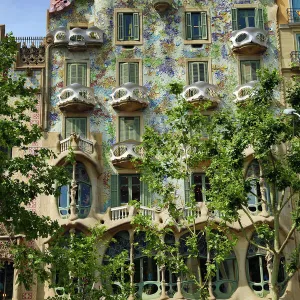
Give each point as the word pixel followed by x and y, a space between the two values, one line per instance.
pixel 162 5
pixel 76 98
pixel 295 60
pixel 77 143
pixel 244 91
pixel 121 154
pixel 129 97
pixel 249 41
pixel 77 39
pixel 293 15
pixel 201 93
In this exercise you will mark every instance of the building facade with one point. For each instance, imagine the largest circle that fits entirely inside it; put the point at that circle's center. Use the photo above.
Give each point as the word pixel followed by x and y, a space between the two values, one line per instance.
pixel 103 71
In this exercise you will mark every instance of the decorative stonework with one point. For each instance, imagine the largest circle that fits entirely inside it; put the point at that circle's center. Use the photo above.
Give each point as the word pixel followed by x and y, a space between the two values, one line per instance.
pixel 129 97
pixel 249 41
pixel 76 97
pixel 58 5
pixel 201 92
pixel 244 91
pixel 76 38
pixel 162 5
pixel 5 245
pixel 32 55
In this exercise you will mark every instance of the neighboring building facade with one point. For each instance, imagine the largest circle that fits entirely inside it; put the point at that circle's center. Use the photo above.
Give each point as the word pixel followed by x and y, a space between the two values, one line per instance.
pixel 103 73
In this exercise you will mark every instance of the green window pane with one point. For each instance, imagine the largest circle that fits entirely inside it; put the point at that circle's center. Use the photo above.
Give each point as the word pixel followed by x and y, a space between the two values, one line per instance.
pixel 77 73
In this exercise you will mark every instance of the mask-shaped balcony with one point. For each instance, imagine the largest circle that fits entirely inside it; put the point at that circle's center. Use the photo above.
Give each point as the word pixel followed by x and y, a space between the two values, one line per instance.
pixel 76 98
pixel 129 97
pixel 201 93
pixel 249 41
pixel 77 39
pixel 244 91
pixel 121 154
pixel 162 5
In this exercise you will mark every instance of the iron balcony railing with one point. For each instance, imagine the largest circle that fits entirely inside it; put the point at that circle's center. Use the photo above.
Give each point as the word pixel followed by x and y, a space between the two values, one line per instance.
pixel 29 40
pixel 295 58
pixel 293 15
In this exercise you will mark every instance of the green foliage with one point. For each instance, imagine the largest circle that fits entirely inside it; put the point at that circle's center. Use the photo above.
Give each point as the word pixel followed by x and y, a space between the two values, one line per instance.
pixel 25 177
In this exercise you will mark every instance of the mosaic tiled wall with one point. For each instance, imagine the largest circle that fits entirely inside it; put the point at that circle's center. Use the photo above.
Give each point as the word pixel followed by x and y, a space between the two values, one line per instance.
pixel 163 55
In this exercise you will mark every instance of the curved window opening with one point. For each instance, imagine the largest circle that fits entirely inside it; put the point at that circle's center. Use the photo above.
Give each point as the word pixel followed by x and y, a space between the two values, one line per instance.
pixel 6 280
pixel 255 196
pixel 82 196
pixel 146 275
pixel 257 271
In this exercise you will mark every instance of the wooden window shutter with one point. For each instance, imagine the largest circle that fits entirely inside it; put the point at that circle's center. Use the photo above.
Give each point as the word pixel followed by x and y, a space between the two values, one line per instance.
pixel 124 73
pixel 122 129
pixel 134 73
pixel 145 195
pixel 120 27
pixel 187 189
pixel 188 26
pixel 234 19
pixel 203 27
pixel 259 18
pixel 136 27
pixel 114 190
pixel 136 128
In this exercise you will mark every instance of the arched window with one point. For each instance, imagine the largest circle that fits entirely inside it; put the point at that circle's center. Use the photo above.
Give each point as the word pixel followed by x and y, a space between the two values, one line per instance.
pixel 254 196
pixel 225 281
pixel 257 272
pixel 146 272
pixel 83 193
pixel 6 280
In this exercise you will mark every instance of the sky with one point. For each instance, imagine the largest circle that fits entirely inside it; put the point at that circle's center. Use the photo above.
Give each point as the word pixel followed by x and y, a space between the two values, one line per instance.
pixel 24 17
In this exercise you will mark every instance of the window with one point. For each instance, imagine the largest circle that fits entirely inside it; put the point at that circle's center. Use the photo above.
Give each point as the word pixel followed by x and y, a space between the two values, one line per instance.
pixel 247 17
pixel 76 125
pixel 129 187
pixel 197 71
pixel 77 73
pixel 128 72
pixel 82 196
pixel 129 128
pixel 128 26
pixel 6 280
pixel 248 70
pixel 200 183
pixel 196 25
pixel 298 42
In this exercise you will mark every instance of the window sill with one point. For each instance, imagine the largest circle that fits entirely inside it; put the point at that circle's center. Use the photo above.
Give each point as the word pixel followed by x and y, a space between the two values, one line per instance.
pixel 196 42
pixel 128 43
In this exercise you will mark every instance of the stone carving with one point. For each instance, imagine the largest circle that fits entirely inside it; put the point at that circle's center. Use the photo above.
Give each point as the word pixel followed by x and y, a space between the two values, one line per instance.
pixel 162 5
pixel 32 55
pixel 251 37
pixel 129 97
pixel 77 37
pixel 244 91
pixel 201 91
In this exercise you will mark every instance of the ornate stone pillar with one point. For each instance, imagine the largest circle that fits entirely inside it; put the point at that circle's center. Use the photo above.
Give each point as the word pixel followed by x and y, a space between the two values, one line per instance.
pixel 163 295
pixel 73 213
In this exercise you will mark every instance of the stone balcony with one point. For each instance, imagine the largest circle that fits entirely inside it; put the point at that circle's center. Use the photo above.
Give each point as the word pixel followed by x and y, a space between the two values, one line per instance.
pixel 249 41
pixel 76 39
pixel 129 97
pixel 77 143
pixel 76 98
pixel 162 5
pixel 244 91
pixel 121 154
pixel 201 93
pixel 295 60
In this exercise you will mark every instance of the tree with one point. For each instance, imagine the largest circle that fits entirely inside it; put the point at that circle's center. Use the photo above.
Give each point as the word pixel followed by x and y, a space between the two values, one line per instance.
pixel 25 177
pixel 190 140
pixel 168 158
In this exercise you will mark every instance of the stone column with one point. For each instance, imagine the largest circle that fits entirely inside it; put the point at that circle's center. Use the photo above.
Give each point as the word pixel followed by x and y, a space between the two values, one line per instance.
pixel 73 213
pixel 163 295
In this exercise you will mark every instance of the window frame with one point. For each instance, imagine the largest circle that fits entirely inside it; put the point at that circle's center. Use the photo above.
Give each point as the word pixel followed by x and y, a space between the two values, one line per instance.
pixel 119 127
pixel 75 117
pixel 244 59
pixel 207 40
pixel 117 13
pixel 79 61
pixel 206 60
pixel 140 69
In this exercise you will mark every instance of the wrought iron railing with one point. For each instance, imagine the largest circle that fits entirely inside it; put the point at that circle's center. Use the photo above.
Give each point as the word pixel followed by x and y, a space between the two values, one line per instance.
pixel 295 58
pixel 29 40
pixel 293 15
